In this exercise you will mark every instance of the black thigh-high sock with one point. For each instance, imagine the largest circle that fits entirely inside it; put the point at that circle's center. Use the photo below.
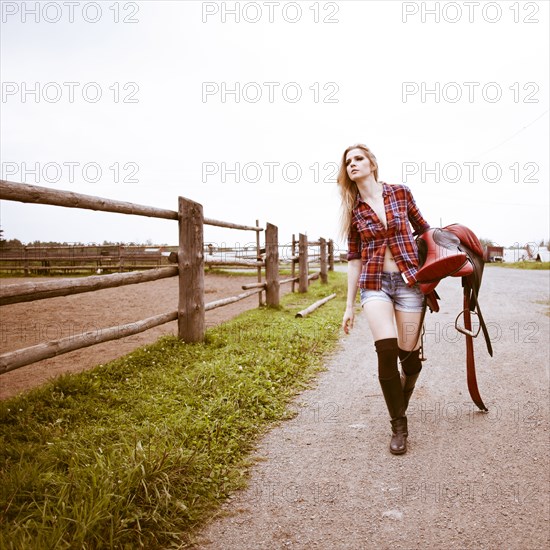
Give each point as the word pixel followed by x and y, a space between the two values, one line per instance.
pixel 410 361
pixel 387 351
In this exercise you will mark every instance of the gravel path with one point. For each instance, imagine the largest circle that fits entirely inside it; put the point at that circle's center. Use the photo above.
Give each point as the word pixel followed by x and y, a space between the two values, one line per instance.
pixel 326 478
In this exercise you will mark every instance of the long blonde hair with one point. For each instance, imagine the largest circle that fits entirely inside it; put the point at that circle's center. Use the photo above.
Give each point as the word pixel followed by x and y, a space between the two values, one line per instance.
pixel 348 188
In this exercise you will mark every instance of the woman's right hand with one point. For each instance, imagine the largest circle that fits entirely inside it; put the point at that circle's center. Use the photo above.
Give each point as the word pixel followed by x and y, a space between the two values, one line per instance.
pixel 347 321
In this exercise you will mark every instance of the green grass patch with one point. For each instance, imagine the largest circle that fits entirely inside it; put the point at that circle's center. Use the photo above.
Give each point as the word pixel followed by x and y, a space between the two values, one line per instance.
pixel 138 452
pixel 520 265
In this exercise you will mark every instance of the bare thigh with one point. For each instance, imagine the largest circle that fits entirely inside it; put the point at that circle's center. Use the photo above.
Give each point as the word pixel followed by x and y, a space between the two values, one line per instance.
pixel 381 319
pixel 407 329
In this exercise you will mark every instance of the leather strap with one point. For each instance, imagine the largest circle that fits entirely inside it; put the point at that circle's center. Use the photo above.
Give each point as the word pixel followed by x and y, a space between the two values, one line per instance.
pixel 470 359
pixel 481 321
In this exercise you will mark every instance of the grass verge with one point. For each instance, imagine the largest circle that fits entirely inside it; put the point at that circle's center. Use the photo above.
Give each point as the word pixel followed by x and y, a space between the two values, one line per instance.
pixel 138 452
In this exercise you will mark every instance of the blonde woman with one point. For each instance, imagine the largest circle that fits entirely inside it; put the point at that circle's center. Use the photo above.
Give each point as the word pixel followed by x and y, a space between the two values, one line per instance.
pixel 382 263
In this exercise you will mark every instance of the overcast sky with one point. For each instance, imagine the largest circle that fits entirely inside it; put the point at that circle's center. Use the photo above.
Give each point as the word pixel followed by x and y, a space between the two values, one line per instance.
pixel 148 101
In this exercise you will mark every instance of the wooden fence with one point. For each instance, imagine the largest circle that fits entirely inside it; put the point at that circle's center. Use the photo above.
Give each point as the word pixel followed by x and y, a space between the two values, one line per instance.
pixel 49 260
pixel 189 267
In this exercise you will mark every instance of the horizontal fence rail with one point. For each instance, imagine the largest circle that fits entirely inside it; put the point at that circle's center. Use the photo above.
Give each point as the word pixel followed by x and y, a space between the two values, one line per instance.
pixel 189 266
pixel 40 290
pixel 43 195
pixel 22 192
pixel 16 359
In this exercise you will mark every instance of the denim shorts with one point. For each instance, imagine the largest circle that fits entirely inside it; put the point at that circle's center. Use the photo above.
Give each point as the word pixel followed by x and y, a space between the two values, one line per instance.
pixel 395 291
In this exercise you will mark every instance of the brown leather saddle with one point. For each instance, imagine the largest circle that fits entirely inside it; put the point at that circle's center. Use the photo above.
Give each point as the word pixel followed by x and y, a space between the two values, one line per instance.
pixel 455 251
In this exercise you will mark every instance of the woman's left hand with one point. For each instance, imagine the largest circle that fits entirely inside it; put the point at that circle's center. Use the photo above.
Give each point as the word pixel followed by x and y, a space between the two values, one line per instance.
pixel 347 321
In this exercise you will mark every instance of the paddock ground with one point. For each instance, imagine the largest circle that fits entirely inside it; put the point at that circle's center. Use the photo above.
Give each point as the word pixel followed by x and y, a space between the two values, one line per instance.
pixel 31 323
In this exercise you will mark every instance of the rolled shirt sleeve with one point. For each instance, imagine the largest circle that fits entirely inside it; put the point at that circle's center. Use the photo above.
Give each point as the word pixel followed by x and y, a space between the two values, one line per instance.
pixel 415 217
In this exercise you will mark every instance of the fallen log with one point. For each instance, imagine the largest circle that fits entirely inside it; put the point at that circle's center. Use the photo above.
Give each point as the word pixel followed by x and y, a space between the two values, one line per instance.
pixel 230 300
pixel 314 306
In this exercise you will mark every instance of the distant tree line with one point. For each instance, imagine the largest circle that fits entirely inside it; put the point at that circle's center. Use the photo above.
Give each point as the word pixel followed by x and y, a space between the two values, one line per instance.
pixel 16 243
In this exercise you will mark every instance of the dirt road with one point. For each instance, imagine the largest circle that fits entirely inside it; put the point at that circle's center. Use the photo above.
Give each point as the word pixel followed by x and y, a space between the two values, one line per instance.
pixel 470 480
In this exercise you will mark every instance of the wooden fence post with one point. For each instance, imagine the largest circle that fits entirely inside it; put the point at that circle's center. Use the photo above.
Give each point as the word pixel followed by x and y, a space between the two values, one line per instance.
pixel 272 265
pixel 26 263
pixel 323 259
pixel 191 321
pixel 330 255
pixel 259 259
pixel 303 263
pixel 293 263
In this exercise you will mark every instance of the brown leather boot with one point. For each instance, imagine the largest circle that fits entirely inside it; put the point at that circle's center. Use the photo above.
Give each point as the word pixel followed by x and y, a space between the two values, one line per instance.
pixel 393 395
pixel 398 443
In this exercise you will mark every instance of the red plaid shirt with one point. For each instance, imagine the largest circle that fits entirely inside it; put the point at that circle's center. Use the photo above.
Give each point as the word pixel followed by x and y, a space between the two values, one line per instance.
pixel 368 238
